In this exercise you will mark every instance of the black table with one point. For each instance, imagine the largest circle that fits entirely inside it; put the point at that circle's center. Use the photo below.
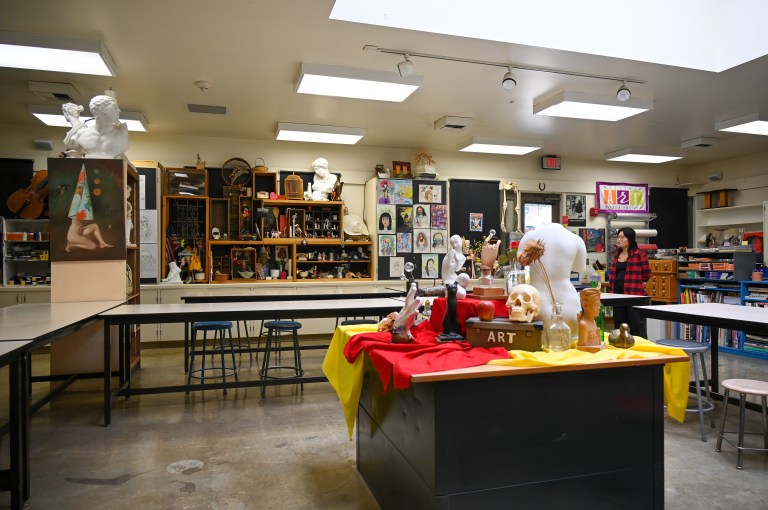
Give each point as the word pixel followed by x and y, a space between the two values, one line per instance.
pixel 301 294
pixel 577 436
pixel 126 315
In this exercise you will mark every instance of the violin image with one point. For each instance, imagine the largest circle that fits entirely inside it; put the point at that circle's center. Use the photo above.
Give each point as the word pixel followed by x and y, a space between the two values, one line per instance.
pixel 30 202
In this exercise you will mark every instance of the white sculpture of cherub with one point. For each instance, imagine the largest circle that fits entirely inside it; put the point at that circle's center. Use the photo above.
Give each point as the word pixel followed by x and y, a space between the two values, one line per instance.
pixel 323 183
pixel 106 138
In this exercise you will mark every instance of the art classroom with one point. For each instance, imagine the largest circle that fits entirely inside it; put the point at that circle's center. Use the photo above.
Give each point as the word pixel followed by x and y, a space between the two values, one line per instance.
pixel 203 306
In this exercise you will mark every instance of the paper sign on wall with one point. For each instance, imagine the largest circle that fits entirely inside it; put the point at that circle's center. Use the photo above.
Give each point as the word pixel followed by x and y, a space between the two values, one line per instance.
pixel 621 197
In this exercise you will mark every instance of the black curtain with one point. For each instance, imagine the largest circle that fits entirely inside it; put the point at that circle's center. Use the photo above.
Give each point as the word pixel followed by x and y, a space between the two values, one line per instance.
pixel 472 197
pixel 670 205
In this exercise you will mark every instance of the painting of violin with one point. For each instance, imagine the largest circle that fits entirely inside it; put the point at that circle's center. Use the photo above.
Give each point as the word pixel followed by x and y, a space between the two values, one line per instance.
pixel 30 202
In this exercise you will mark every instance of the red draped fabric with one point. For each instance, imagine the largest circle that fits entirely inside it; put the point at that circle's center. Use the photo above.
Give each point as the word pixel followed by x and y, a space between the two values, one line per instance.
pixel 425 353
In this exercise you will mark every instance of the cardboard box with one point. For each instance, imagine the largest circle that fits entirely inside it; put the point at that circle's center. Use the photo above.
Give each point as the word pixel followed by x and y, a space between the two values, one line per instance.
pixel 501 332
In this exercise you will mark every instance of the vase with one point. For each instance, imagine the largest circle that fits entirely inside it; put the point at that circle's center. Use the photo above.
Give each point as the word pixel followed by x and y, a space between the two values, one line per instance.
pixel 558 333
pixel 513 277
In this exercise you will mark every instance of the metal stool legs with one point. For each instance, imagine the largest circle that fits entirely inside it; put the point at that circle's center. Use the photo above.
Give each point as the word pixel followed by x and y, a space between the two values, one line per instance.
pixel 698 361
pixel 274 332
pixel 219 329
pixel 744 387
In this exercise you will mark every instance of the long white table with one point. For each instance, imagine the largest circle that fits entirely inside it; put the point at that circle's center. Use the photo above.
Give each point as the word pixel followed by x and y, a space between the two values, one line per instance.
pixel 752 320
pixel 126 315
pixel 24 328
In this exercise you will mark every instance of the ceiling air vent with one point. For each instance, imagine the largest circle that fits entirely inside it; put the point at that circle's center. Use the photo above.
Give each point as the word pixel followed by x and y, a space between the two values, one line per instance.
pixel 206 108
pixel 702 141
pixel 449 122
pixel 49 91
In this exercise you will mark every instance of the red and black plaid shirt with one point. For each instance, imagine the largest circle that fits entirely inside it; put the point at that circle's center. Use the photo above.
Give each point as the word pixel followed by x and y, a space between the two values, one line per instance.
pixel 637 273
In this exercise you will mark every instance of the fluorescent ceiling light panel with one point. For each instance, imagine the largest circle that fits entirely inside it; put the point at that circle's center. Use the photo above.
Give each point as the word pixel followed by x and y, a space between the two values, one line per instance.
pixel 339 81
pixel 753 124
pixel 635 155
pixel 52 116
pixel 578 105
pixel 500 146
pixel 318 134
pixel 60 54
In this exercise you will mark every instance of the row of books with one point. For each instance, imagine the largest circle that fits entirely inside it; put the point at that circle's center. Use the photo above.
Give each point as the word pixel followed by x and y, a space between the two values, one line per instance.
pixel 709 296
pixel 703 334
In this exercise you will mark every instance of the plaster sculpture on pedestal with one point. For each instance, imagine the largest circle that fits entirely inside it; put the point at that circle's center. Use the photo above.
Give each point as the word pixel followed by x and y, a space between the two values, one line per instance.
pixel 174 273
pixel 106 137
pixel 323 183
pixel 565 252
pixel 453 261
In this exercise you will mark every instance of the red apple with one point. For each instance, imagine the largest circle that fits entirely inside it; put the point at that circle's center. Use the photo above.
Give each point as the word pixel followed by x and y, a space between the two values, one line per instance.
pixel 486 310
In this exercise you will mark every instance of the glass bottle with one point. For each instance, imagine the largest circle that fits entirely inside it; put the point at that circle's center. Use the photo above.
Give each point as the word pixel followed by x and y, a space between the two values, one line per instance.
pixel 513 277
pixel 558 333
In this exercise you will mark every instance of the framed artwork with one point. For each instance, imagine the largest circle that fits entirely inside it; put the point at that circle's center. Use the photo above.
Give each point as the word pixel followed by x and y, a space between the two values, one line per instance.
pixel 421 216
pixel 385 192
pixel 404 217
pixel 386 214
pixel 404 192
pixel 594 239
pixel 421 241
pixel 86 210
pixel 429 267
pixel 148 226
pixel 404 240
pixel 576 210
pixel 396 267
pixel 401 170
pixel 430 193
pixel 439 241
pixel 475 222
pixel 386 245
pixel 148 256
pixel 440 216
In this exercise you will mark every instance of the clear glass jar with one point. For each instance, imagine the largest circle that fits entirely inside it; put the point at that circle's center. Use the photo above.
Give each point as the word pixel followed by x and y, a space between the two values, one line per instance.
pixel 513 276
pixel 558 333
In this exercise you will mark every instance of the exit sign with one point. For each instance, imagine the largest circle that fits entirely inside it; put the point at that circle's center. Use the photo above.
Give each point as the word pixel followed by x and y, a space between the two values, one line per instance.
pixel 550 162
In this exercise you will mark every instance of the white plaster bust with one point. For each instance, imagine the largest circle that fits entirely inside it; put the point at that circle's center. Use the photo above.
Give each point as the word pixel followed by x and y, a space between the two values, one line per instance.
pixel 106 137
pixel 323 182
pixel 453 261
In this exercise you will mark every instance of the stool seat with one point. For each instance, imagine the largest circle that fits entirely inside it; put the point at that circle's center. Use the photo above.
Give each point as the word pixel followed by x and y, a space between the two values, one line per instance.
pixel 211 325
pixel 696 351
pixel 685 345
pixel 283 325
pixel 749 386
pixel 744 387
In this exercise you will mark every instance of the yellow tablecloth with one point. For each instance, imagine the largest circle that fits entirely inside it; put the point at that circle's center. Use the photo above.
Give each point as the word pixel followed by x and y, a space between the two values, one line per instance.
pixel 347 379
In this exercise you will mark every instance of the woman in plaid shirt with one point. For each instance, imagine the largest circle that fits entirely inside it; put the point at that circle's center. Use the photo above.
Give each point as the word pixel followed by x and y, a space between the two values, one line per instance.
pixel 629 273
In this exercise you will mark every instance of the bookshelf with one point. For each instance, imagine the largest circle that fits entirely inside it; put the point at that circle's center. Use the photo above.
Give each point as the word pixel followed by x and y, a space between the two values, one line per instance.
pixel 754 293
pixel 713 276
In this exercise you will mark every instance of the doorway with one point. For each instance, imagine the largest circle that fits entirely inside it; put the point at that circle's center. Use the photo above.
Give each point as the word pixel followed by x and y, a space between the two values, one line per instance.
pixel 539 209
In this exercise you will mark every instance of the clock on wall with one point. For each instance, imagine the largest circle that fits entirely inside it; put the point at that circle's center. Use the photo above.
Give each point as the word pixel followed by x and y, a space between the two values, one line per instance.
pixel 550 162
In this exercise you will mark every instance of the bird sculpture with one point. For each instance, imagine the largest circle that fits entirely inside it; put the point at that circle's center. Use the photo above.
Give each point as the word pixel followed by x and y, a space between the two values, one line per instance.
pixel 621 338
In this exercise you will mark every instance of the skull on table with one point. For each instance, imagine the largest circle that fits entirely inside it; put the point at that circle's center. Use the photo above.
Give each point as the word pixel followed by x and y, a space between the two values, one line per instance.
pixel 524 303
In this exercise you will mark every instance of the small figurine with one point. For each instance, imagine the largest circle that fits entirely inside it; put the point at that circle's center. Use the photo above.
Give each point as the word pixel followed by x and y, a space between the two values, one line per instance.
pixel 621 338
pixel 589 334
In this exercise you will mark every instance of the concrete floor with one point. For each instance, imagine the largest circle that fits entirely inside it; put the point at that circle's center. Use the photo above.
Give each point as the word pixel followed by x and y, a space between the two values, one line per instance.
pixel 286 450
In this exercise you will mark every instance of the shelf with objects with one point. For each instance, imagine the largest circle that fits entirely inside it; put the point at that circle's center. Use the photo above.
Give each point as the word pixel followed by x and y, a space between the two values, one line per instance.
pixel 754 293
pixel 26 252
pixel 728 225
pixel 185 226
pixel 408 222
pixel 712 276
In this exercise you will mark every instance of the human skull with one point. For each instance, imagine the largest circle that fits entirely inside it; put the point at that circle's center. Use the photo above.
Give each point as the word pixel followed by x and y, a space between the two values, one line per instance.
pixel 524 303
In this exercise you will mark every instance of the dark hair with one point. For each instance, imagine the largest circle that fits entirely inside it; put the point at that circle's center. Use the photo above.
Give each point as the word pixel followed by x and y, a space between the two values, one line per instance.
pixel 389 217
pixel 630 234
pixel 422 210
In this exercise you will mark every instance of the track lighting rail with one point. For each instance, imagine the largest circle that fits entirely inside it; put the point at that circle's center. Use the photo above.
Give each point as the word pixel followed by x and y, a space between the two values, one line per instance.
pixel 409 53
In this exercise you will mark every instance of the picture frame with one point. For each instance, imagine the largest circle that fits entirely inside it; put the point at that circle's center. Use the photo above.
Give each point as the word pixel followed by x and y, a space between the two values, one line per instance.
pixel 401 170
pixel 282 252
pixel 576 210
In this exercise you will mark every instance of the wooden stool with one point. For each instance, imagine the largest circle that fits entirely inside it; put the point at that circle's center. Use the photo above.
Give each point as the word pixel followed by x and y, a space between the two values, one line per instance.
pixel 744 387
pixel 696 352
pixel 220 328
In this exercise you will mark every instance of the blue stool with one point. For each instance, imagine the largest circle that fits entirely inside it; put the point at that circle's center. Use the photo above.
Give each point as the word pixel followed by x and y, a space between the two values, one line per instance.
pixel 695 351
pixel 220 328
pixel 275 329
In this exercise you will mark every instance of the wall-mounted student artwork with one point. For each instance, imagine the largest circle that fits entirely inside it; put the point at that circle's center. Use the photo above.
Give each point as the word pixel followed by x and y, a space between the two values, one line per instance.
pixel 87 209
pixel 575 209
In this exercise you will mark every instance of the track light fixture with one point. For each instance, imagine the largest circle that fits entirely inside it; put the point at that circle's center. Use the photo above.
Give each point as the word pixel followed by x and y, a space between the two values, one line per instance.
pixel 623 94
pixel 405 68
pixel 509 81
pixel 508 65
